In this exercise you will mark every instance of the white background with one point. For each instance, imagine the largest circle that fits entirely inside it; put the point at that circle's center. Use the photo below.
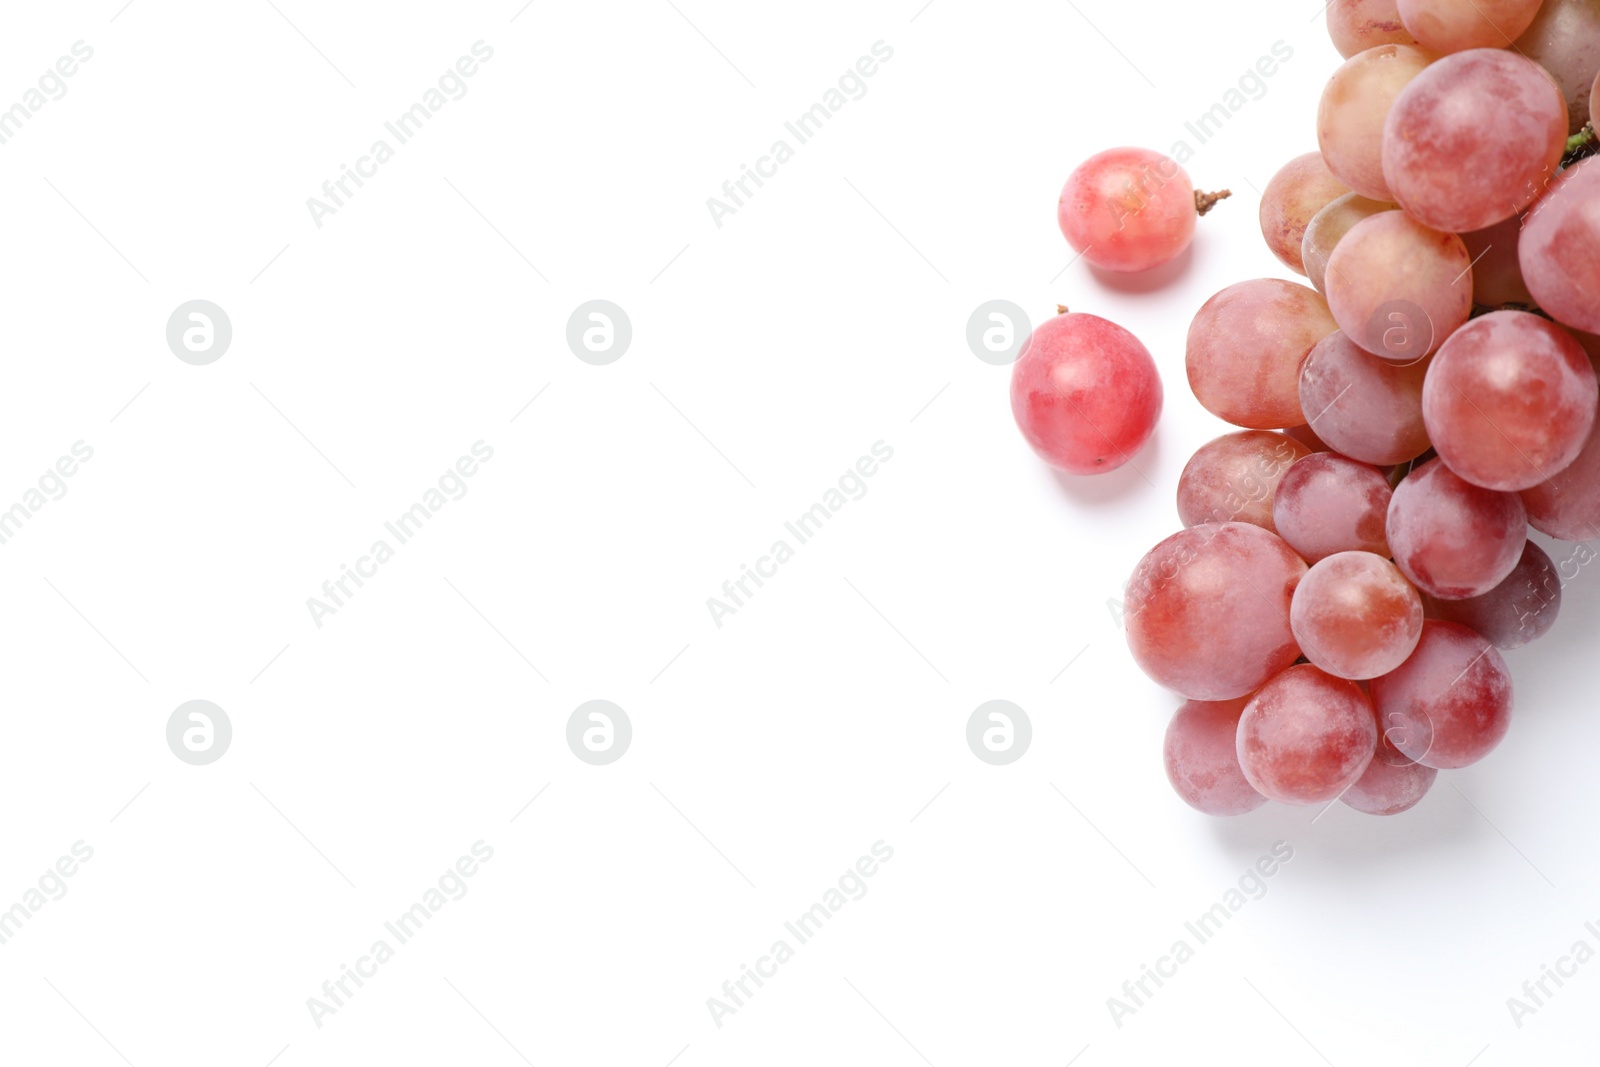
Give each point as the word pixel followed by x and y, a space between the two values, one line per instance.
pixel 768 754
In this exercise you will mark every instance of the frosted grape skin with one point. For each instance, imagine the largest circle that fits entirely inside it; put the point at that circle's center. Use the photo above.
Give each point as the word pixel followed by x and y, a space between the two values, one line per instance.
pixel 1306 736
pixel 1127 209
pixel 1448 705
pixel 1328 226
pixel 1301 188
pixel 1444 26
pixel 1355 616
pixel 1567 505
pixel 1201 756
pixel 1564 39
pixel 1354 105
pixel 1560 248
pixel 1391 265
pixel 1357 25
pixel 1245 347
pixel 1451 538
pixel 1327 503
pixel 1391 783
pixel 1518 611
pixel 1364 406
pixel 1233 478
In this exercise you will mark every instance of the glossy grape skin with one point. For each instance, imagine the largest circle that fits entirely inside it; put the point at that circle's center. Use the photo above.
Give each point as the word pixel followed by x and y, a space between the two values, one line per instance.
pixel 1300 189
pixel 1245 347
pixel 1357 25
pixel 1510 400
pixel 1567 506
pixel 1355 616
pixel 1564 39
pixel 1368 408
pixel 1443 26
pixel 1232 478
pixel 1201 756
pixel 1391 784
pixel 1560 248
pixel 1329 503
pixel 1207 610
pixel 1437 162
pixel 1496 269
pixel 1127 209
pixel 1328 227
pixel 1306 736
pixel 1354 106
pixel 1514 613
pixel 1454 539
pixel 1085 393
pixel 1449 704
pixel 1388 270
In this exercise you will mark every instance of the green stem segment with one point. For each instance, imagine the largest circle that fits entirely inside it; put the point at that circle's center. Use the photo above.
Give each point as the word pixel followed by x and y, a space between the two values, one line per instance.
pixel 1581 144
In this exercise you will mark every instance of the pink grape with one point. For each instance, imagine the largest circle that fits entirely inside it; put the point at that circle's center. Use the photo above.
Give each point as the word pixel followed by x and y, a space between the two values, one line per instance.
pixel 1357 25
pixel 1510 400
pixel 1232 478
pixel 1355 104
pixel 1496 270
pixel 1564 39
pixel 1207 610
pixel 1454 539
pixel 1397 288
pixel 1355 615
pixel 1085 393
pixel 1514 613
pixel 1328 503
pixel 1567 506
pixel 1306 736
pixel 1201 754
pixel 1437 162
pixel 1449 704
pixel 1392 783
pixel 1368 408
pixel 1245 347
pixel 1327 227
pixel 1560 248
pixel 1307 436
pixel 1127 209
pixel 1300 189
pixel 1455 25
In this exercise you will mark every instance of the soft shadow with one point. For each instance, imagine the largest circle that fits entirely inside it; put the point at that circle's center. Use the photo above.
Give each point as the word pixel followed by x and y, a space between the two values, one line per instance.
pixel 1147 281
pixel 1350 839
pixel 1101 489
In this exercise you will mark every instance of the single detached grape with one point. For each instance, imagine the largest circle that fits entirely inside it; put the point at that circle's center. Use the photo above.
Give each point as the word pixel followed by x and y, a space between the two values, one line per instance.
pixel 1368 408
pixel 1357 25
pixel 1454 539
pixel 1449 704
pixel 1510 400
pixel 1207 610
pixel 1306 736
pixel 1303 187
pixel 1232 478
pixel 1397 288
pixel 1327 227
pixel 1455 25
pixel 1392 783
pixel 1128 209
pixel 1201 753
pixel 1245 348
pixel 1355 615
pixel 1355 104
pixel 1560 248
pixel 1437 161
pixel 1328 503
pixel 1564 39
pixel 1496 270
pixel 1519 610
pixel 1567 505
pixel 1085 393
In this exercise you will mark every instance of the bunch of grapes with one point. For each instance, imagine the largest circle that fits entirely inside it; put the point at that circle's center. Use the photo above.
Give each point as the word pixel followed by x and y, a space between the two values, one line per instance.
pixel 1355 556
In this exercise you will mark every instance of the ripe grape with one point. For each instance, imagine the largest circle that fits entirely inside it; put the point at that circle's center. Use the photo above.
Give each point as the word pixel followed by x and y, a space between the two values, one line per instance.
pixel 1207 610
pixel 1510 400
pixel 1564 39
pixel 1328 503
pixel 1201 754
pixel 1567 505
pixel 1355 615
pixel 1368 408
pixel 1496 270
pixel 1397 288
pixel 1306 435
pixel 1232 478
pixel 1127 209
pixel 1437 161
pixel 1085 393
pixel 1327 227
pixel 1357 25
pixel 1560 248
pixel 1245 347
pixel 1355 104
pixel 1303 187
pixel 1306 736
pixel 1449 704
pixel 1452 538
pixel 1519 610
pixel 1455 25
pixel 1392 783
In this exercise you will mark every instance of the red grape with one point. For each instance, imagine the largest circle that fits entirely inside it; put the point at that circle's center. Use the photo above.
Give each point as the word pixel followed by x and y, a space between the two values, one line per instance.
pixel 1127 209
pixel 1201 754
pixel 1560 248
pixel 1448 705
pixel 1392 783
pixel 1567 505
pixel 1357 25
pixel 1452 538
pixel 1232 478
pixel 1364 406
pixel 1518 610
pixel 1355 615
pixel 1306 736
pixel 1397 288
pixel 1245 347
pixel 1328 503
pixel 1455 25
pixel 1565 40
pixel 1353 108
pixel 1303 187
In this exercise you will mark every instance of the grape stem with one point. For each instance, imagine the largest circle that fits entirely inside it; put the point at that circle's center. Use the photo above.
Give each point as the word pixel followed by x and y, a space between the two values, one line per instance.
pixel 1204 202
pixel 1581 144
pixel 1061 309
